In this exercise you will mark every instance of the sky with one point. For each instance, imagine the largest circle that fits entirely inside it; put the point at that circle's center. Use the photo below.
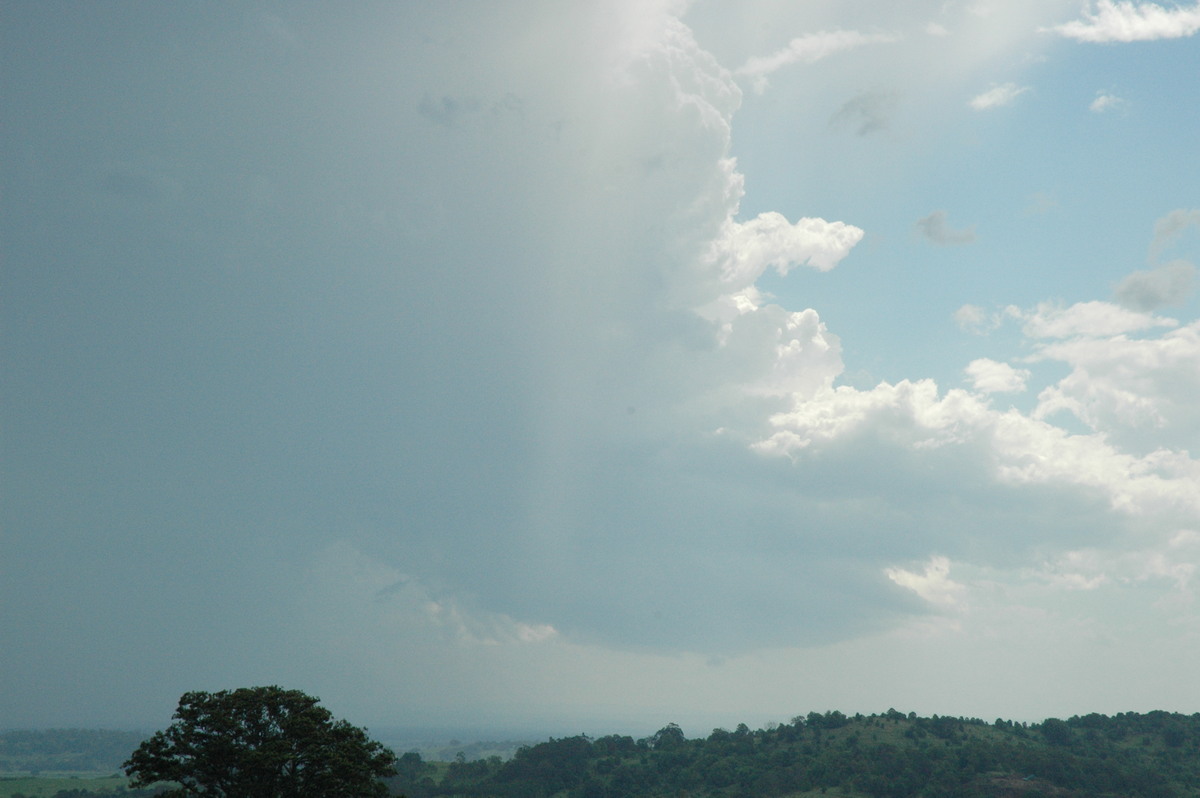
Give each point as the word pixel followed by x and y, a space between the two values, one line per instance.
pixel 581 367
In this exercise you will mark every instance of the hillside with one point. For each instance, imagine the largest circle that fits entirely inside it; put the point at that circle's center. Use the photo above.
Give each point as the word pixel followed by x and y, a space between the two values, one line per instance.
pixel 1153 755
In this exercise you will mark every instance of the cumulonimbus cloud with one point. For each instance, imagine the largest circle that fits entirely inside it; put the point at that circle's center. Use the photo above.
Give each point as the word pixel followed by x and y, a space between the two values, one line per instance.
pixel 1125 21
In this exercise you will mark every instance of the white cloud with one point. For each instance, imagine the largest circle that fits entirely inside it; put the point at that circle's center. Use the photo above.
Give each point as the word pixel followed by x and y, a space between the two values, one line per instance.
pixel 1086 399
pixel 1018 450
pixel 1105 102
pixel 970 318
pixel 935 229
pixel 913 412
pixel 989 376
pixel 807 49
pixel 936 29
pixel 1094 319
pixel 1125 21
pixel 744 250
pixel 1139 391
pixel 997 96
pixel 807 357
pixel 934 584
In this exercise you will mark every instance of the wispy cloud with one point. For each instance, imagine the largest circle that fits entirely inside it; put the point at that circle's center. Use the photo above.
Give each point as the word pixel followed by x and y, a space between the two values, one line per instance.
pixel 971 318
pixel 976 320
pixel 1105 102
pixel 1088 319
pixel 1168 228
pixel 1169 284
pixel 935 229
pixel 807 49
pixel 997 96
pixel 1126 21
pixel 1041 202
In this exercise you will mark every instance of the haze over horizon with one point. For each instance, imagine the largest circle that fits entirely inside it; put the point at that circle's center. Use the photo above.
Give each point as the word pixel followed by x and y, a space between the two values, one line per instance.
pixel 588 367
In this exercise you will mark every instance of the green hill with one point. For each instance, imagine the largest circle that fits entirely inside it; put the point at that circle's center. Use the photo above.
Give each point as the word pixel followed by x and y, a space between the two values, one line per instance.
pixel 1155 755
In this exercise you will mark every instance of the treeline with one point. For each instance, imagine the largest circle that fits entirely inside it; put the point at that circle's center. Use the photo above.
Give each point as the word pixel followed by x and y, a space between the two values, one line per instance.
pixel 83 750
pixel 890 755
pixel 443 751
pixel 893 755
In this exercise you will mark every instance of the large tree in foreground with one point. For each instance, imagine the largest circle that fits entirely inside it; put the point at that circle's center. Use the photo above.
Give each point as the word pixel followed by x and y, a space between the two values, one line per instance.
pixel 261 742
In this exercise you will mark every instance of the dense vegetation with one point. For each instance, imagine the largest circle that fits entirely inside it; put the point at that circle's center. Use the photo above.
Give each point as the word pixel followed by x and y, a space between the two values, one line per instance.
pixel 1154 755
pixel 893 755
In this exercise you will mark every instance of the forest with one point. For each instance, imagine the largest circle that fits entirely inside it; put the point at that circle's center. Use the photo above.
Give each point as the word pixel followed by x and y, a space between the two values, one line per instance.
pixel 888 755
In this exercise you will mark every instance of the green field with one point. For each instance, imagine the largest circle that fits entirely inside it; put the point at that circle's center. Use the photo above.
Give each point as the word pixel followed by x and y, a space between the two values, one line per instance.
pixel 47 784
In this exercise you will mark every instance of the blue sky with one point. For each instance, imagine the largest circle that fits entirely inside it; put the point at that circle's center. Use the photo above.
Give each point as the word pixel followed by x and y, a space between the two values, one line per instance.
pixel 579 367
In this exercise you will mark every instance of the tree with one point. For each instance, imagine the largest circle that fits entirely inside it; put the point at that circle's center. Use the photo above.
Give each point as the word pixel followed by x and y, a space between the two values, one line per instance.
pixel 1056 731
pixel 261 742
pixel 669 736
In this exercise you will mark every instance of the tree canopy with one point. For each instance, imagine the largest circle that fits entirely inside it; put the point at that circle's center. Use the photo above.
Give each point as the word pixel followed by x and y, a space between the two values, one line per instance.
pixel 261 742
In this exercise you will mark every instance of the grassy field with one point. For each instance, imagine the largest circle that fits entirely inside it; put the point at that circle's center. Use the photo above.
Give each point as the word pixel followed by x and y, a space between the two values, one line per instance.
pixel 48 784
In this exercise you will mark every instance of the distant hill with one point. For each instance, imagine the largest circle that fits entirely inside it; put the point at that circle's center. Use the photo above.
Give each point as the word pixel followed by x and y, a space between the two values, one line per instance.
pixel 58 750
pixel 893 755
